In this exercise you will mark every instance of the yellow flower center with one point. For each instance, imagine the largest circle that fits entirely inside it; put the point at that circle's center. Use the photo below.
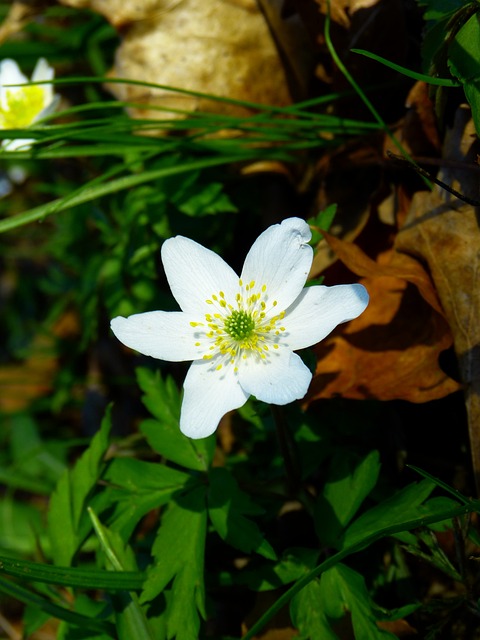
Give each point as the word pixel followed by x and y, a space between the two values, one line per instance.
pixel 22 107
pixel 246 328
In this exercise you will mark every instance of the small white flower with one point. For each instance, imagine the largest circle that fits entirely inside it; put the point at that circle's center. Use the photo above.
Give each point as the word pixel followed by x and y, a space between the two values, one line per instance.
pixel 22 105
pixel 241 332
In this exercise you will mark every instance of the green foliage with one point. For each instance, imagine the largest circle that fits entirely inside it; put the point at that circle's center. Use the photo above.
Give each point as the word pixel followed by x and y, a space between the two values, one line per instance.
pixel 350 481
pixel 163 400
pixel 66 516
pixel 464 61
pixel 178 551
pixel 148 533
pixel 227 508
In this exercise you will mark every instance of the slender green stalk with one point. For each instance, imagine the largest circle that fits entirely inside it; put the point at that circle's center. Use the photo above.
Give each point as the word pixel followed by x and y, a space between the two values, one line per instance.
pixel 344 553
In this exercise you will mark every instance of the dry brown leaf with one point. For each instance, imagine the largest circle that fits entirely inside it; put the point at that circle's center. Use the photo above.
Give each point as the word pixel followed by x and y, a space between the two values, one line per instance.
pixel 120 12
pixel 223 48
pixel 391 351
pixel 20 13
pixel 400 628
pixel 395 264
pixel 444 233
pixel 341 10
pixel 22 383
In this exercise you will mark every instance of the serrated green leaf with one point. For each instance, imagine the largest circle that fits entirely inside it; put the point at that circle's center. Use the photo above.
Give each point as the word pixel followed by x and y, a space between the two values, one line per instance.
pixel 403 506
pixel 136 488
pixel 179 553
pixel 227 504
pixel 20 525
pixel 292 565
pixel 307 614
pixel 343 589
pixel 130 618
pixel 69 499
pixel 207 200
pixel 463 53
pixel 464 63
pixel 162 398
pixel 349 482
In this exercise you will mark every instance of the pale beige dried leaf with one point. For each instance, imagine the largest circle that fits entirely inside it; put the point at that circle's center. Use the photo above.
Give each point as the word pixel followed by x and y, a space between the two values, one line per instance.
pixel 223 48
pixel 443 232
pixel 120 12
pixel 20 13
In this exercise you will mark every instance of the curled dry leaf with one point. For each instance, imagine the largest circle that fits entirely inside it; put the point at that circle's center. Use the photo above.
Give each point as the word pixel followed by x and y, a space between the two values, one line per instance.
pixel 444 232
pixel 223 48
pixel 121 12
pixel 391 351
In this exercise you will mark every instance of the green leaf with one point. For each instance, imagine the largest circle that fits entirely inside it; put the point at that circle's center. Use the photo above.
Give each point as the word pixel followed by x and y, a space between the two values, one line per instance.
pixel 32 599
pixel 163 400
pixel 308 616
pixel 403 506
pixel 137 487
pixel 349 482
pixel 343 589
pixel 442 82
pixel 464 62
pixel 70 576
pixel 21 526
pixel 292 565
pixel 130 618
pixel 206 200
pixel 69 499
pixel 92 190
pixel 227 506
pixel 179 553
pixel 427 517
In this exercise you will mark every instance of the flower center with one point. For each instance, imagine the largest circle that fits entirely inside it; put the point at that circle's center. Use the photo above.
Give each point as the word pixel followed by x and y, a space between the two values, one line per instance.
pixel 22 107
pixel 233 334
pixel 239 325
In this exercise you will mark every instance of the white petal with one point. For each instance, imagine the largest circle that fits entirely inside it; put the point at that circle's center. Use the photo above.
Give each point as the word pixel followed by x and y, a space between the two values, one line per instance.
pixel 318 310
pixel 19 144
pixel 278 379
pixel 43 71
pixel 280 258
pixel 10 73
pixel 166 335
pixel 209 395
pixel 48 109
pixel 195 273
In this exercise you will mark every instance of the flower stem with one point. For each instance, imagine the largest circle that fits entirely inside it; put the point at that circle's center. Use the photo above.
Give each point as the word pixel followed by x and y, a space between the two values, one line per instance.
pixel 288 450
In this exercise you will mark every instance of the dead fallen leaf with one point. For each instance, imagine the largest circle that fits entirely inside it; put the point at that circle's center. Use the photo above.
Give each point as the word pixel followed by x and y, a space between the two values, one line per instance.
pixel 223 48
pixel 20 13
pixel 389 353
pixel 395 264
pixel 33 378
pixel 399 628
pixel 444 232
pixel 121 12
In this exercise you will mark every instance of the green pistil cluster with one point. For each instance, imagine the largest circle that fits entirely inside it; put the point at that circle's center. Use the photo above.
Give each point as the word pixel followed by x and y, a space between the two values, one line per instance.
pixel 239 325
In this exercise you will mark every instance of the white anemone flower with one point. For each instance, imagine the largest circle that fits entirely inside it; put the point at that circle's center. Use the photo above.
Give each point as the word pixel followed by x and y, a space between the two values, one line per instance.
pixel 241 333
pixel 24 104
